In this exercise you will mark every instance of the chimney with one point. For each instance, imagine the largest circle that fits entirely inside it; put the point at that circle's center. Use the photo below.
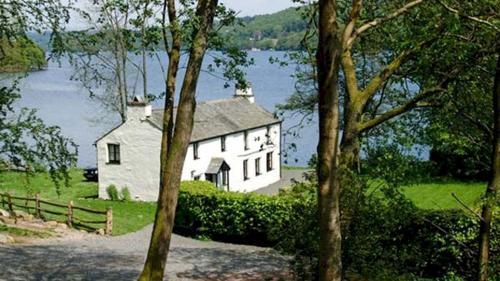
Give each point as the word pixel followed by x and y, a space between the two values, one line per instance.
pixel 138 109
pixel 245 93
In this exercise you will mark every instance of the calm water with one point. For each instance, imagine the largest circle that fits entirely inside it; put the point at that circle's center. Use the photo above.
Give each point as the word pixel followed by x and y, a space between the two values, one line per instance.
pixel 65 103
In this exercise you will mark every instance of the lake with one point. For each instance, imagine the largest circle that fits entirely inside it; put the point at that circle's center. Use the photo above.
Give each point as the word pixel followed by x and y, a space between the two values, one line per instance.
pixel 65 103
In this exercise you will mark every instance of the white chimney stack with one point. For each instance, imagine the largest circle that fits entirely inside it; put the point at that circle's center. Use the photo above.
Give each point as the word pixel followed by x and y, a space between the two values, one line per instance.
pixel 245 93
pixel 138 109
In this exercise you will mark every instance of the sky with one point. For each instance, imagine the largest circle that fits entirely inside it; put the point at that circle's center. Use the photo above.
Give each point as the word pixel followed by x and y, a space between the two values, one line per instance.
pixel 243 7
pixel 257 7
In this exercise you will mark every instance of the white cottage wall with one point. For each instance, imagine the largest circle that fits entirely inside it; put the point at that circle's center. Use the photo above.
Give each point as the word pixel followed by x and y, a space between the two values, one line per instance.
pixel 139 166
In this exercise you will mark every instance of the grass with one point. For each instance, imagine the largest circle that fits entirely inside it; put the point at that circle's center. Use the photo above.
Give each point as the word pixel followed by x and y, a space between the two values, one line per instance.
pixel 287 167
pixel 132 216
pixel 438 195
pixel 127 216
pixel 15 231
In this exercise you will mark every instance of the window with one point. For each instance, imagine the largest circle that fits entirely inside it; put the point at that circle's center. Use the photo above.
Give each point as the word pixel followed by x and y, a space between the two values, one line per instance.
pixel 225 178
pixel 113 153
pixel 223 143
pixel 195 151
pixel 245 136
pixel 245 169
pixel 257 166
pixel 269 161
pixel 268 134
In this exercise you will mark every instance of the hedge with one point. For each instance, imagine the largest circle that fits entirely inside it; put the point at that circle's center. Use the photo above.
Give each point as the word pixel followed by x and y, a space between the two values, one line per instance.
pixel 205 211
pixel 393 236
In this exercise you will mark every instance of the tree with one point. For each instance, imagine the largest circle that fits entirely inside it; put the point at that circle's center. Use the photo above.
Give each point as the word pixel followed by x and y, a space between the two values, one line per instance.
pixel 25 141
pixel 380 49
pixel 491 196
pixel 103 55
pixel 192 25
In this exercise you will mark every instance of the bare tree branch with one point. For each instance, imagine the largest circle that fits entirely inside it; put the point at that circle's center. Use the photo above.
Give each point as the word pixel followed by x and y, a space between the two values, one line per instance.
pixel 400 109
pixel 472 18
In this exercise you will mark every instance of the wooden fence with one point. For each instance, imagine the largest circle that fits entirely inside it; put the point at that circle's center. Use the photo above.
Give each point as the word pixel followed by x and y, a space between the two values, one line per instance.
pixel 38 209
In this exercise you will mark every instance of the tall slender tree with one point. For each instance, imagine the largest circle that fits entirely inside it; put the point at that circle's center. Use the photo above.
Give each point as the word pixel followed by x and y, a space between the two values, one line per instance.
pixel 328 60
pixel 491 196
pixel 175 139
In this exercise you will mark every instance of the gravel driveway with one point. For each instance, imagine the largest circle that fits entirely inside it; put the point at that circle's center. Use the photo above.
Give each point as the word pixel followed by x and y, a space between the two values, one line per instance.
pixel 122 257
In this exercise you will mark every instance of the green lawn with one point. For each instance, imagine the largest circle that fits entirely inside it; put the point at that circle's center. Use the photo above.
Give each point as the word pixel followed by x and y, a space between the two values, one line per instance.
pixel 439 195
pixel 127 216
pixel 132 216
pixel 16 231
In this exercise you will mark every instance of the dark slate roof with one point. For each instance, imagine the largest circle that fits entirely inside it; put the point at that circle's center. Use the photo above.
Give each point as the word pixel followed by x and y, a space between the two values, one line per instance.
pixel 222 117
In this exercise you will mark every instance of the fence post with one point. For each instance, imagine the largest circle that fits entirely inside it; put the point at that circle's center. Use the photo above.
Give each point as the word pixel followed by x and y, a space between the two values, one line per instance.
pixel 37 206
pixel 11 209
pixel 109 221
pixel 70 214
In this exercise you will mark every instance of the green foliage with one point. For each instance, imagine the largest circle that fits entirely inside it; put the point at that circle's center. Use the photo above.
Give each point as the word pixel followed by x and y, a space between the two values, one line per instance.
pixel 26 142
pixel 395 165
pixel 250 218
pixel 125 194
pixel 113 194
pixel 388 239
pixel 283 30
pixel 21 55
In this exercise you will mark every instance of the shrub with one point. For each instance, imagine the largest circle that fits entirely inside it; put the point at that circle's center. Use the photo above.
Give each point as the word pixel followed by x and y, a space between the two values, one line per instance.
pixel 112 193
pixel 388 236
pixel 204 210
pixel 125 194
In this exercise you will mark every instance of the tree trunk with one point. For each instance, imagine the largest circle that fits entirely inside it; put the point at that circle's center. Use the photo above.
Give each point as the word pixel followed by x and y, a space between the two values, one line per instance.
pixel 328 61
pixel 493 185
pixel 171 166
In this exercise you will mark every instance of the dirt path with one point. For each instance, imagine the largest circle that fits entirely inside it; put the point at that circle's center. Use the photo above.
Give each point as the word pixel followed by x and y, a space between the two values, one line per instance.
pixel 121 258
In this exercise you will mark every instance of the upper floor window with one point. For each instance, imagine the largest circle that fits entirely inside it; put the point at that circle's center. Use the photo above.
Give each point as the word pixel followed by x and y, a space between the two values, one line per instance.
pixel 113 153
pixel 257 166
pixel 268 134
pixel 195 151
pixel 245 170
pixel 245 137
pixel 223 143
pixel 269 161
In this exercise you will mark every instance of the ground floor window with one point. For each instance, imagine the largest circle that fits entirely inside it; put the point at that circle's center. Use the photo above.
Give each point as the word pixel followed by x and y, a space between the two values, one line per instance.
pixel 269 161
pixel 245 169
pixel 257 166
pixel 113 153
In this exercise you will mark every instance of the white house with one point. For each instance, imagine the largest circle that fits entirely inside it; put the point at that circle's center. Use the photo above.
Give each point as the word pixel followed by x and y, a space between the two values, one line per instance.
pixel 235 144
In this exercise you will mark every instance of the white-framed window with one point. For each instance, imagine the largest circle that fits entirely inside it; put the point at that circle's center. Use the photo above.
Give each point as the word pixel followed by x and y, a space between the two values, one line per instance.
pixel 245 139
pixel 269 161
pixel 268 134
pixel 223 143
pixel 113 153
pixel 245 169
pixel 195 151
pixel 257 166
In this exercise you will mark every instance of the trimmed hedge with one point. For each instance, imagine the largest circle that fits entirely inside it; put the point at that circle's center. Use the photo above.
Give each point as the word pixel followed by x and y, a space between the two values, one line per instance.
pixel 388 237
pixel 203 210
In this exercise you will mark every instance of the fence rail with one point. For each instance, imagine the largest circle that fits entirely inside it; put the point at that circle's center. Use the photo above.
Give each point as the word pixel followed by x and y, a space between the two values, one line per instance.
pixel 68 211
